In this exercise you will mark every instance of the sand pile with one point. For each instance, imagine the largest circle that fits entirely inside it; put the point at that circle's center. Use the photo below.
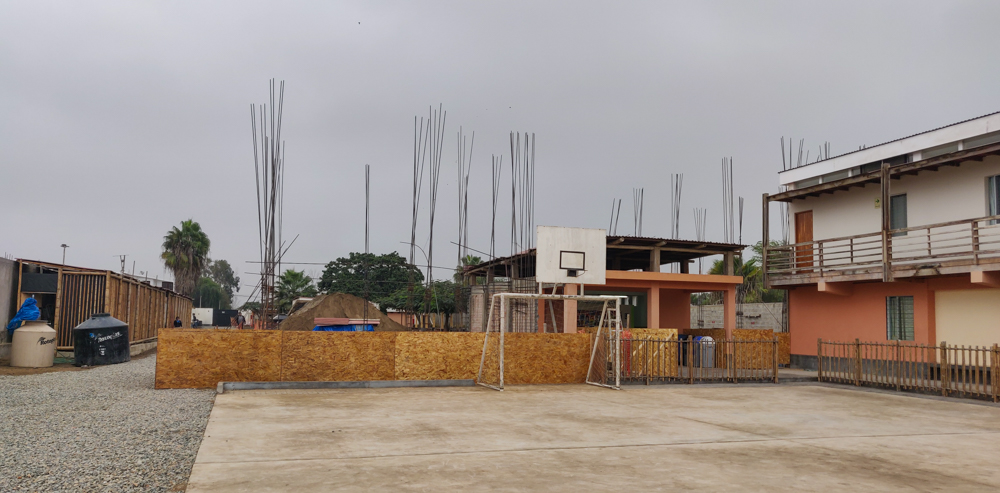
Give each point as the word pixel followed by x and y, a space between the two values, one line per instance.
pixel 337 305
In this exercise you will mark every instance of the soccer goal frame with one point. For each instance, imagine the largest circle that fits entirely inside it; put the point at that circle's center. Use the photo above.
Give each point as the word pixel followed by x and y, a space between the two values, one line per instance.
pixel 604 369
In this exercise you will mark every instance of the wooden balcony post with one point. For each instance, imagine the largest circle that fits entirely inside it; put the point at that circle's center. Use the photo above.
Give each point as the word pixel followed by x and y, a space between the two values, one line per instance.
pixel 820 258
pixel 767 239
pixel 885 180
pixel 975 242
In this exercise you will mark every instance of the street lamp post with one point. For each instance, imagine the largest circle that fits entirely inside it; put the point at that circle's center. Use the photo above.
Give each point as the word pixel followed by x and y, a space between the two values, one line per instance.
pixel 64 247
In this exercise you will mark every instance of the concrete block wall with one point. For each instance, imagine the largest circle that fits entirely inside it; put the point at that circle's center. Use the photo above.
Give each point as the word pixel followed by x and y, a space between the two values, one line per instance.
pixel 8 294
pixel 754 316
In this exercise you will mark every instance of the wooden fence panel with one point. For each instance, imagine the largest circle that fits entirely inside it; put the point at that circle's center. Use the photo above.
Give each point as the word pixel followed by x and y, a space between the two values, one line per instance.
pixel 438 355
pixel 335 356
pixel 197 358
pixel 951 370
pixel 82 296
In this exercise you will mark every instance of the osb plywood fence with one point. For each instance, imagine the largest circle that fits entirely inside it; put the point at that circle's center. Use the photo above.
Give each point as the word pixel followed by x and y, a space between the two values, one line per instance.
pixel 645 355
pixel 784 348
pixel 201 358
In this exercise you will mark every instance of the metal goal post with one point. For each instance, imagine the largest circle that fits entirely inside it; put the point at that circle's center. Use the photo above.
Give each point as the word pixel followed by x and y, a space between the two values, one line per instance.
pixel 604 368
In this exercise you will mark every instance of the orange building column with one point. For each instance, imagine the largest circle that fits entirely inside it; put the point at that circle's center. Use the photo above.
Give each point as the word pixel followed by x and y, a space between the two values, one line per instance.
pixel 653 307
pixel 569 310
pixel 729 308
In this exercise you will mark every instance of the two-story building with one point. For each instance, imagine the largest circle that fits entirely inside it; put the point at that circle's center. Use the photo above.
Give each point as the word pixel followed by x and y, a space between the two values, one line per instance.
pixel 634 268
pixel 899 241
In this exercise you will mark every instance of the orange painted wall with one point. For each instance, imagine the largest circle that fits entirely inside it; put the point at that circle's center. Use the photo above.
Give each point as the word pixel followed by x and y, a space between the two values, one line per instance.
pixel 675 309
pixel 861 315
pixel 675 292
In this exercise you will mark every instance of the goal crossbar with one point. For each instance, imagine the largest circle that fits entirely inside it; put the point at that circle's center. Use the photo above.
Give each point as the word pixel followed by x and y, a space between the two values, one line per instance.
pixel 498 303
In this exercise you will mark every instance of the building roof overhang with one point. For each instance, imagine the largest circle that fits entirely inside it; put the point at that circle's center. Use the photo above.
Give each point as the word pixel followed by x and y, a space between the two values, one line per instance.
pixel 626 252
pixel 895 172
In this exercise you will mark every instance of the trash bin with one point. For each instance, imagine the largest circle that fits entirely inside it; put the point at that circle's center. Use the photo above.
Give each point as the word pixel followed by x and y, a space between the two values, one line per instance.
pixel 101 340
pixel 706 348
pixel 34 345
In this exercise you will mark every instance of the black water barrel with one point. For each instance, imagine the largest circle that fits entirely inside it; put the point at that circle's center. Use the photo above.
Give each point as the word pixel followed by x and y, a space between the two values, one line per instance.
pixel 101 340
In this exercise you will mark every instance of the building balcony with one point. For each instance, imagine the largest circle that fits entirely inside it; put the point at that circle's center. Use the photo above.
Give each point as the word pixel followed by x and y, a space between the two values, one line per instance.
pixel 949 248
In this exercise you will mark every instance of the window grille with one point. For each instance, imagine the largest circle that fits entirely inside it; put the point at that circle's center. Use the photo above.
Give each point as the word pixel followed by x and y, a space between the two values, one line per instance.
pixel 899 318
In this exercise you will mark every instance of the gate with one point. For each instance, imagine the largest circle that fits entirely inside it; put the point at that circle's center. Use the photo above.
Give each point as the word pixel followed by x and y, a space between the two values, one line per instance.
pixel 690 361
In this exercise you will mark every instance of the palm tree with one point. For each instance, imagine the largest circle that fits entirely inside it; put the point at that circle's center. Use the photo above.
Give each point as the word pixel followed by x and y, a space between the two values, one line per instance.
pixel 752 290
pixel 467 261
pixel 291 285
pixel 185 253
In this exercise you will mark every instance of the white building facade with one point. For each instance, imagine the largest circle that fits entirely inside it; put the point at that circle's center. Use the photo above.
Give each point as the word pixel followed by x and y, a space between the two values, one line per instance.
pixel 899 241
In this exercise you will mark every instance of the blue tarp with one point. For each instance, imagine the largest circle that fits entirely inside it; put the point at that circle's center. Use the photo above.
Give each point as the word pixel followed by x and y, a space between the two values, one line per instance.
pixel 344 328
pixel 28 311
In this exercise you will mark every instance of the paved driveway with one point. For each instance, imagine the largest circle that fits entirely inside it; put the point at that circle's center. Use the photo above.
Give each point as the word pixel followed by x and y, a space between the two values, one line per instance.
pixel 583 438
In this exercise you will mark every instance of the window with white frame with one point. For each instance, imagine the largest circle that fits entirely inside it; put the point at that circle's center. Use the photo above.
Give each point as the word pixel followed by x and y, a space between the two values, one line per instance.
pixel 993 197
pixel 899 318
pixel 897 213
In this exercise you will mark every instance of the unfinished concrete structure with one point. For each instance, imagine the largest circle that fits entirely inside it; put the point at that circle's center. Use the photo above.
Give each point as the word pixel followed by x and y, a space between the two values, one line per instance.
pixel 634 268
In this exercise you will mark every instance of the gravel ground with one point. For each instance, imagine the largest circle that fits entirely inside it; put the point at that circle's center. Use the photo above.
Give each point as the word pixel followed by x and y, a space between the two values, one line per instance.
pixel 104 429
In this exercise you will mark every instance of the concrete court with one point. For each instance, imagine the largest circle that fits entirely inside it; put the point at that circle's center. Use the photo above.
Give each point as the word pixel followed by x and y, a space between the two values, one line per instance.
pixel 583 438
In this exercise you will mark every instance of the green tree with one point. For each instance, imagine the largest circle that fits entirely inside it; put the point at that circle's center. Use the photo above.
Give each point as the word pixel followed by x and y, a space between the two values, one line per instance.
pixel 222 273
pixel 252 306
pixel 769 295
pixel 752 290
pixel 185 253
pixel 387 274
pixel 467 261
pixel 208 294
pixel 291 285
pixel 442 299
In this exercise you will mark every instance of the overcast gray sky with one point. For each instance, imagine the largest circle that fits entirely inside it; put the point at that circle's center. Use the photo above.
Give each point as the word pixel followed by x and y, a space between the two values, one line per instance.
pixel 119 120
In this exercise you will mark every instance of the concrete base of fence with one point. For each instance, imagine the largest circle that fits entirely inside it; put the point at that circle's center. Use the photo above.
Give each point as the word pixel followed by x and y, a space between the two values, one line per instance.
pixel 142 348
pixel 786 375
pixel 371 384
pixel 134 350
pixel 804 362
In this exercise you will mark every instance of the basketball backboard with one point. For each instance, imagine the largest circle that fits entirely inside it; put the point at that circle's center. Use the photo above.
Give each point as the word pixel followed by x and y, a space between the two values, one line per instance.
pixel 570 255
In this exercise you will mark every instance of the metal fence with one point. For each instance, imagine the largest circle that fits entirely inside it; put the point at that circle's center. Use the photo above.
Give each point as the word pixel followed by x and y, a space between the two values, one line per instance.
pixel 964 371
pixel 690 361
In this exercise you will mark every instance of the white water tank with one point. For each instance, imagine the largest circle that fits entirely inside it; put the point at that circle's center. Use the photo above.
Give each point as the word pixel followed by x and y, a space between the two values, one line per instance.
pixel 34 345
